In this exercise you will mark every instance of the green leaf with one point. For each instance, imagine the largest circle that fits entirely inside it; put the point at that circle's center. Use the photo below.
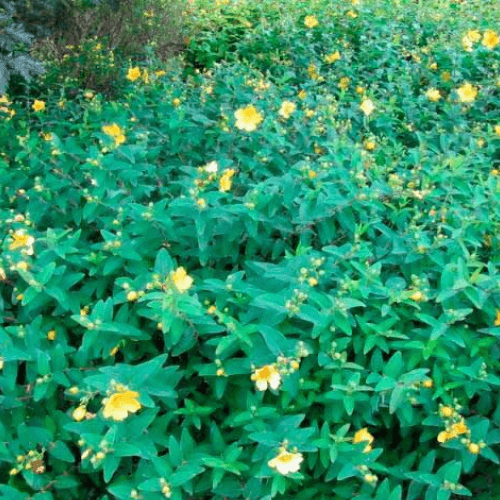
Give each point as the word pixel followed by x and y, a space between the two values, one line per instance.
pixel 395 366
pixel 385 384
pixel 396 494
pixel 122 489
pixel 347 471
pixel 397 398
pixel 111 463
pixel 184 474
pixel 174 451
pixel 62 452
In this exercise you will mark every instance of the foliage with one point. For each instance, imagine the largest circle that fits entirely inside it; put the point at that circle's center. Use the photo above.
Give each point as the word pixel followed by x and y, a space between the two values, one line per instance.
pixel 14 36
pixel 294 251
pixel 84 52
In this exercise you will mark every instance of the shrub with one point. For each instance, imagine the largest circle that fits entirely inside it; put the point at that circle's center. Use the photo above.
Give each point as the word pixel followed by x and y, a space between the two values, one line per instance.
pixel 87 52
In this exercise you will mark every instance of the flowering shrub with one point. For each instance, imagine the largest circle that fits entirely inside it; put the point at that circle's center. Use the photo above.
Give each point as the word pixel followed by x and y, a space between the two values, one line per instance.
pixel 260 282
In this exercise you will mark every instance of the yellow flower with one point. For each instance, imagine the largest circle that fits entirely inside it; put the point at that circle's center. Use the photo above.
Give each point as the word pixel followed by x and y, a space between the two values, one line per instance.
pixel 352 14
pixel 311 21
pixel 132 296
pixel 22 240
pixel 428 384
pixel 344 83
pixel 51 335
pixel 446 411
pixel 287 108
pixel 286 462
pixel 312 72
pixel 474 35
pixel 176 102
pixel 497 320
pixel 490 39
pixel 367 107
pixel 38 105
pixel 335 56
pixel 79 413
pixel 418 296
pixel 247 118
pixel 474 448
pixel 302 94
pixel 120 404
pixel 497 129
pixel 119 139
pixel 444 436
pixel 433 94
pixel 113 130
pixel 459 428
pixel 48 136
pixel 181 280
pixel 370 145
pixel 467 93
pixel 160 73
pixel 364 436
pixel 467 43
pixel 133 74
pixel 225 181
pixel 266 375
pixel 360 90
pixel 433 65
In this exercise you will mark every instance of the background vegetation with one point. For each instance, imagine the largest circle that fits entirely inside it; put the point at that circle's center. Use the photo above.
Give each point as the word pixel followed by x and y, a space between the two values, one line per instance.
pixel 255 257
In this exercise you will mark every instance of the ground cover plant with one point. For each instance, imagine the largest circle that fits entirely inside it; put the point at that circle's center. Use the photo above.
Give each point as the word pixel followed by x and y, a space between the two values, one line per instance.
pixel 268 268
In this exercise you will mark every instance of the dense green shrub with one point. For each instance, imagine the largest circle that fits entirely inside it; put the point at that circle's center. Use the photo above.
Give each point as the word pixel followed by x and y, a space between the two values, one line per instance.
pixel 290 259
